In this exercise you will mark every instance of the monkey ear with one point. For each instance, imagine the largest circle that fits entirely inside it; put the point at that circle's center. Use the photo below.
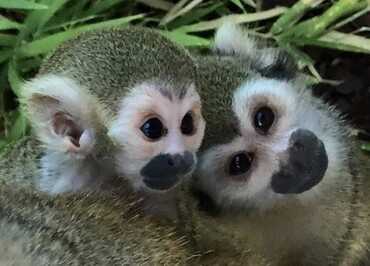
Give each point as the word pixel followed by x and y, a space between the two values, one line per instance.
pixel 230 38
pixel 63 115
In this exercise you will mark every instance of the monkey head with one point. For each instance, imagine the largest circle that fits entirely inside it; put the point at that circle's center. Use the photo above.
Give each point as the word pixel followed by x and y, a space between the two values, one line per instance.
pixel 285 145
pixel 159 131
pixel 117 102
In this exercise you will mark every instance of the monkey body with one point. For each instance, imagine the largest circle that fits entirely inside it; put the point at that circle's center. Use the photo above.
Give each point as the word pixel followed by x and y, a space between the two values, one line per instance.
pixel 95 228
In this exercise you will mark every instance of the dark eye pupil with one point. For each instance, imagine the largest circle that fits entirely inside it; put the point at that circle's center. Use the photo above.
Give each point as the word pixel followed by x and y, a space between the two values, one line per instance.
pixel 240 164
pixel 187 124
pixel 153 128
pixel 263 119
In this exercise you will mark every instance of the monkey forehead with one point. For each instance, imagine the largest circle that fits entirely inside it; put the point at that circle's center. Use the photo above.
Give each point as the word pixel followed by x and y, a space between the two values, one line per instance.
pixel 217 78
pixel 110 62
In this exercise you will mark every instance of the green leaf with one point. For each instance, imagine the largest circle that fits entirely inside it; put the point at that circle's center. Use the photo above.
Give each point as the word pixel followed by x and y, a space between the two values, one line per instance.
pixel 21 4
pixel 238 4
pixel 340 41
pixel 39 18
pixel 3 144
pixel 49 43
pixel 5 55
pixel 7 39
pixel 243 18
pixel 293 14
pixel 18 128
pixel 101 6
pixel 14 78
pixel 158 4
pixel 7 24
pixel 250 3
pixel 194 15
pixel 318 25
pixel 186 39
pixel 181 12
pixel 366 147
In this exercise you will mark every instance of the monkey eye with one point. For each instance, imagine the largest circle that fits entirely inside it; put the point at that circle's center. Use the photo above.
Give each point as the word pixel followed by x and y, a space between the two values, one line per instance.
pixel 187 124
pixel 263 119
pixel 153 129
pixel 240 163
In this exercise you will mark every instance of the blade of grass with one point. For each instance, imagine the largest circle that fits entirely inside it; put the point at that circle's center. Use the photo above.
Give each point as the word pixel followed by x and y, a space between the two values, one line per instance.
pixel 172 12
pixel 7 24
pixel 194 15
pixel 293 14
pixel 362 29
pixel 16 125
pixel 14 78
pixel 47 44
pixel 318 25
pixel 186 39
pixel 243 18
pixel 3 82
pixel 68 13
pixel 5 54
pixel 7 39
pixel 239 4
pixel 18 128
pixel 21 4
pixel 303 60
pixel 42 17
pixel 340 41
pixel 30 64
pixel 366 147
pixel 350 19
pixel 184 10
pixel 158 4
pixel 101 6
pixel 68 24
pixel 250 3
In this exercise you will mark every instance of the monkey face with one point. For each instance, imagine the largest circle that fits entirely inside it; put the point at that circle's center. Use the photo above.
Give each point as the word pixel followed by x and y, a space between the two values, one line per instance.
pixel 158 131
pixel 288 146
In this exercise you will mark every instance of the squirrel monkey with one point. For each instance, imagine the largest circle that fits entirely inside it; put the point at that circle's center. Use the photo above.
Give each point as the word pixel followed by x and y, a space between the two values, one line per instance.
pixel 329 225
pixel 116 102
pixel 276 163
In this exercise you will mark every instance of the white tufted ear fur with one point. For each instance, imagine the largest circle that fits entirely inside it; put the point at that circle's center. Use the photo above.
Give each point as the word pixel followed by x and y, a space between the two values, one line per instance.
pixel 62 114
pixel 230 38
pixel 65 118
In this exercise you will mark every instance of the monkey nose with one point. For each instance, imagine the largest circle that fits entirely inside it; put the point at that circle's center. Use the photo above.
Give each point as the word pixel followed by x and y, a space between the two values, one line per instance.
pixel 165 170
pixel 306 164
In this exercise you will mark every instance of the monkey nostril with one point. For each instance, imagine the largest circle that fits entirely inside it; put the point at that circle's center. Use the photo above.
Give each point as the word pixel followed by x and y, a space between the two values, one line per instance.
pixel 170 162
pixel 298 146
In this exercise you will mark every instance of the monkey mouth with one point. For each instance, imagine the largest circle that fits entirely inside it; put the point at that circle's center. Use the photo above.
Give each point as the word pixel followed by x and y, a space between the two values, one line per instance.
pixel 160 183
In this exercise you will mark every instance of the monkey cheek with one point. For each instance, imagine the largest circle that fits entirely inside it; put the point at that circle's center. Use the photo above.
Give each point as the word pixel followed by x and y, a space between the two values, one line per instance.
pixel 305 167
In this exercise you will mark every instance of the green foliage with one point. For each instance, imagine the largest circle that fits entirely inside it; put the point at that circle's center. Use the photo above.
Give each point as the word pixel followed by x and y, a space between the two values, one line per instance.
pixel 29 29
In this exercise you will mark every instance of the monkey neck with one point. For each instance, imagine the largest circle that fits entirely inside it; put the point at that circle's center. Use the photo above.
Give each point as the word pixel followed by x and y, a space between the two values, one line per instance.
pixel 287 233
pixel 161 205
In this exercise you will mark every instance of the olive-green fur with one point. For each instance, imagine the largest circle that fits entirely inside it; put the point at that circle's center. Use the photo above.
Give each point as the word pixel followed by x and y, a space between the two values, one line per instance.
pixel 110 62
pixel 100 228
pixel 343 211
pixel 217 77
pixel 104 227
